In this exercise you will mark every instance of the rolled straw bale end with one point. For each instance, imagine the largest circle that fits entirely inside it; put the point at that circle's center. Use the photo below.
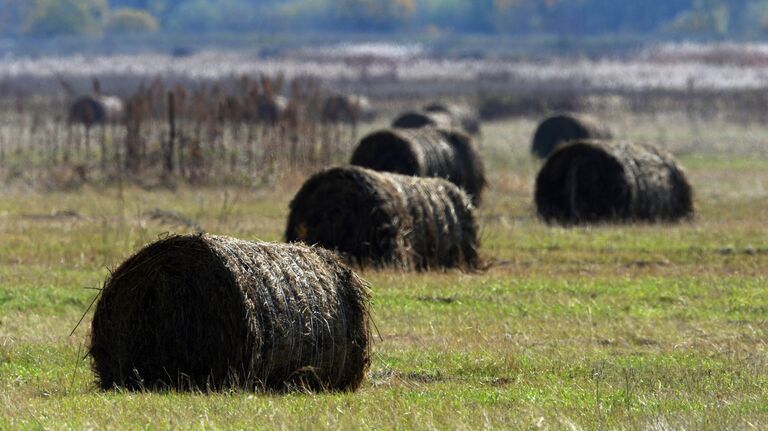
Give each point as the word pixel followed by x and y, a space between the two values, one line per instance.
pixel 210 312
pixel 604 181
pixel 381 219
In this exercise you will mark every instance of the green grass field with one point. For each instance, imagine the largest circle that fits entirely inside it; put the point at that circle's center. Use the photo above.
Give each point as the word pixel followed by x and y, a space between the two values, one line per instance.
pixel 630 327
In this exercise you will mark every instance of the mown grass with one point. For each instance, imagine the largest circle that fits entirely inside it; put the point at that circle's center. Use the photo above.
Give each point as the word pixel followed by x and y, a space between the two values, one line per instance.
pixel 622 327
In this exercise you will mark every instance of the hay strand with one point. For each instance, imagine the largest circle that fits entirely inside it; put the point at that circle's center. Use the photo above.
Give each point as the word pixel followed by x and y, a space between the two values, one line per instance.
pixel 596 181
pixel 380 219
pixel 210 312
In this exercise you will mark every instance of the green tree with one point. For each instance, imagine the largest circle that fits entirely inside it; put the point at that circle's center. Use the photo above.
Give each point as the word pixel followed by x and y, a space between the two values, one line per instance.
pixel 63 17
pixel 128 20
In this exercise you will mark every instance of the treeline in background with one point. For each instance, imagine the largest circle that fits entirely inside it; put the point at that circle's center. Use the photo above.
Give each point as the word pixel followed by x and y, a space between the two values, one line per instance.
pixel 665 18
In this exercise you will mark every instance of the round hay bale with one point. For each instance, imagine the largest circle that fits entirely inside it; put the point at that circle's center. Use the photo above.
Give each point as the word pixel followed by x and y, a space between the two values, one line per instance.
pixel 418 120
pixel 381 219
pixel 424 152
pixel 211 312
pixel 596 181
pixel 91 110
pixel 563 128
pixel 347 109
pixel 268 109
pixel 462 116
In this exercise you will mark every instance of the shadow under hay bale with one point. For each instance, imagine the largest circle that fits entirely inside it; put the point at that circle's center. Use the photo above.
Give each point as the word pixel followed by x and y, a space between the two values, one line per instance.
pixel 346 109
pixel 597 181
pixel 462 116
pixel 210 312
pixel 381 219
pixel 560 129
pixel 91 110
pixel 424 152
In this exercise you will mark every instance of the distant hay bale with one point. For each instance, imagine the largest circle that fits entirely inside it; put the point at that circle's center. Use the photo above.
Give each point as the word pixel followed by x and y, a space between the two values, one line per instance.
pixel 272 109
pixel 346 109
pixel 380 219
pixel 563 128
pixel 211 312
pixel 462 116
pixel 424 152
pixel 267 109
pixel 96 109
pixel 418 120
pixel 596 181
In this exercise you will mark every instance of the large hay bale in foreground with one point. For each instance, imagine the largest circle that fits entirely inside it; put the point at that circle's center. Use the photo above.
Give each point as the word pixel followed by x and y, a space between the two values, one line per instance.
pixel 424 152
pixel 211 312
pixel 347 109
pixel 595 181
pixel 563 128
pixel 96 109
pixel 462 116
pixel 381 219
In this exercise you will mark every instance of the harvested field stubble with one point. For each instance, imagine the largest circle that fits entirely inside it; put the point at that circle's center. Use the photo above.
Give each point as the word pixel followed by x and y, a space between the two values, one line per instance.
pixel 382 219
pixel 593 181
pixel 425 152
pixel 211 312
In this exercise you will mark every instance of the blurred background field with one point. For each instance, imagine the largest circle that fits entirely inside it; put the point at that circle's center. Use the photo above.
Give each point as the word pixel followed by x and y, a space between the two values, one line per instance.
pixel 643 326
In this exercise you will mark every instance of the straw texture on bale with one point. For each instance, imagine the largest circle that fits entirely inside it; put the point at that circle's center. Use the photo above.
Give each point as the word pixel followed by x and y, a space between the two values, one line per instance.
pixel 380 219
pixel 210 312
pixel 418 120
pixel 424 152
pixel 462 116
pixel 91 110
pixel 348 109
pixel 563 128
pixel 597 181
